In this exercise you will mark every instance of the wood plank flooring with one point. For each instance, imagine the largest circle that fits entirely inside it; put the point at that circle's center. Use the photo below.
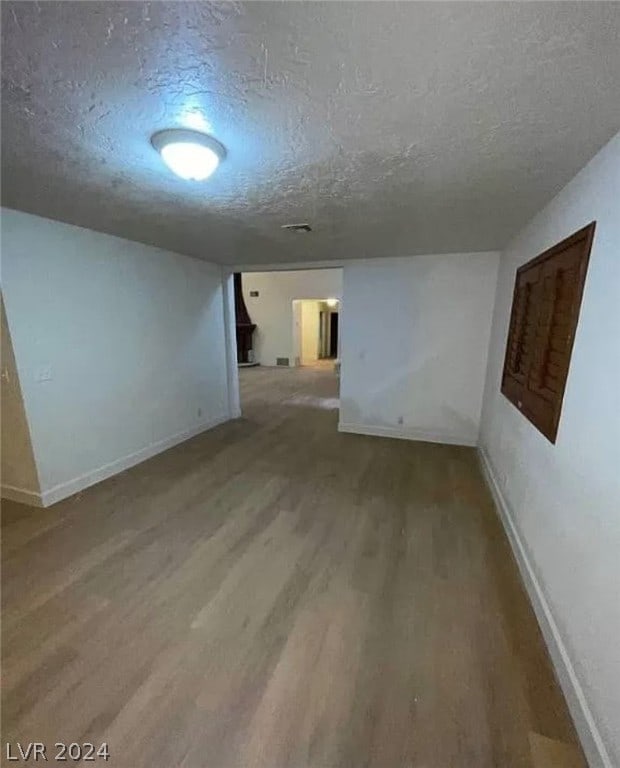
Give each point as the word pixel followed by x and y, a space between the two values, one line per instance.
pixel 273 594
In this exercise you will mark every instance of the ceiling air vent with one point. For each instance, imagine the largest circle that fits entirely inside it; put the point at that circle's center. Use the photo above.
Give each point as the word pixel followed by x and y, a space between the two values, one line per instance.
pixel 297 227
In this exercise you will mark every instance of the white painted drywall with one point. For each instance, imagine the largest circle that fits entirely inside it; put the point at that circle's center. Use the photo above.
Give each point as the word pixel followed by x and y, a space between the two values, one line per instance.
pixel 415 335
pixel 565 498
pixel 19 473
pixel 297 333
pixel 130 340
pixel 272 310
pixel 310 331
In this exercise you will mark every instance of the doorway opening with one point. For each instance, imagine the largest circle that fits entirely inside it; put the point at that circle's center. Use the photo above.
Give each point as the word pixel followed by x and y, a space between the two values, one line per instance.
pixel 315 331
pixel 328 324
pixel 288 334
pixel 333 334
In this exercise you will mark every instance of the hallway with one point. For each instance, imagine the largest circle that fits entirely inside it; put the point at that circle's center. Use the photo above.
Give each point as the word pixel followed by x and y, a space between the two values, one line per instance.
pixel 275 594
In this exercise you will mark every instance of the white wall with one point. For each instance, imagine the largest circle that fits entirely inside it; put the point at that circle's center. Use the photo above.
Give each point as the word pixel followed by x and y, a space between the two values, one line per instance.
pixel 297 333
pixel 310 331
pixel 19 472
pixel 415 335
pixel 120 347
pixel 272 310
pixel 564 499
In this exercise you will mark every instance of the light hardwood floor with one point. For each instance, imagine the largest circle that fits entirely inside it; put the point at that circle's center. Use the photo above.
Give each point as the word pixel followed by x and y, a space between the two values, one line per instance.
pixel 275 594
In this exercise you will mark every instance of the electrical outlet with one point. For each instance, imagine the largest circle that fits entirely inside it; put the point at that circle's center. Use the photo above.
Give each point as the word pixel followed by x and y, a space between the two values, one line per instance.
pixel 400 420
pixel 199 412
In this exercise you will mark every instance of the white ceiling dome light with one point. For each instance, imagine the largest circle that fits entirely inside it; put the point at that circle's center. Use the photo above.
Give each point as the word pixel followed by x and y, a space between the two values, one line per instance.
pixel 189 154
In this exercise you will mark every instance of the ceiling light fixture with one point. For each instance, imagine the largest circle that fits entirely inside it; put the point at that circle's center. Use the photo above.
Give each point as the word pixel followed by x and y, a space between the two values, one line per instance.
pixel 190 154
pixel 332 302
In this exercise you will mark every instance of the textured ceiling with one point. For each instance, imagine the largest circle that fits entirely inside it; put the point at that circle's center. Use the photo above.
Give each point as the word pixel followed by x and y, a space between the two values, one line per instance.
pixel 393 128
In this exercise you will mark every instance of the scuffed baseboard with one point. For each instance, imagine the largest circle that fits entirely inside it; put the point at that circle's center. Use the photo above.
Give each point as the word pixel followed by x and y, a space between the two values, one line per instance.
pixel 589 735
pixel 68 488
pixel 400 433
pixel 21 495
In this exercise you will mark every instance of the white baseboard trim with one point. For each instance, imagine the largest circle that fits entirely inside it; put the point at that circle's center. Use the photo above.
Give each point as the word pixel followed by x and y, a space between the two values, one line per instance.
pixel 591 740
pixel 421 435
pixel 68 488
pixel 21 495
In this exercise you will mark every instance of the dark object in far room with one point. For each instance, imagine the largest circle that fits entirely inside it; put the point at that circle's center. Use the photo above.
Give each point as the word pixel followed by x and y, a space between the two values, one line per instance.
pixel 244 327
